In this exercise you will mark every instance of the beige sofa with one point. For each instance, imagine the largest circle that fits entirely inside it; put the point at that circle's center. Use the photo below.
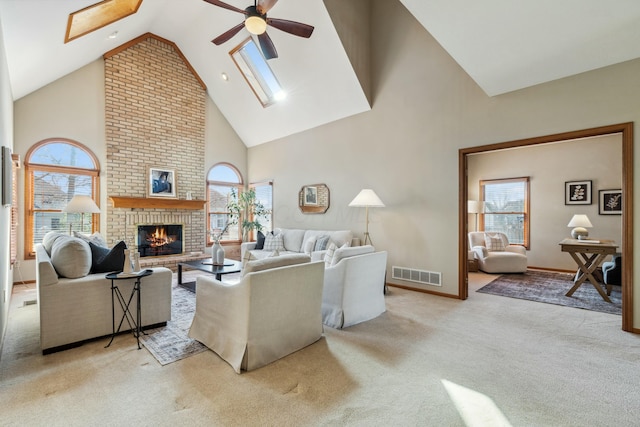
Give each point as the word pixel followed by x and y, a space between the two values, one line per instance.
pixel 273 311
pixel 73 310
pixel 296 241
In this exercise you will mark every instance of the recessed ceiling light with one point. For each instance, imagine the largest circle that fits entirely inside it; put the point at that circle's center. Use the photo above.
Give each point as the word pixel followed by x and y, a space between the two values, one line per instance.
pixel 113 35
pixel 224 76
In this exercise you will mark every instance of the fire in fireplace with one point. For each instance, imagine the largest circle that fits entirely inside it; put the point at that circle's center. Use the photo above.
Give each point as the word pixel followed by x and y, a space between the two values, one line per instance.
pixel 160 239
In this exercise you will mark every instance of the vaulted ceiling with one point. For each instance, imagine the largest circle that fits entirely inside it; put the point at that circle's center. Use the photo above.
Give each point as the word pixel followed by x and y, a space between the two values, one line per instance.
pixel 502 44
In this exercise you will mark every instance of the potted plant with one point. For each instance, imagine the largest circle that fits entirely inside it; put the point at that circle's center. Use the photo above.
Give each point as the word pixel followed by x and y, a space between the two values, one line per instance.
pixel 245 209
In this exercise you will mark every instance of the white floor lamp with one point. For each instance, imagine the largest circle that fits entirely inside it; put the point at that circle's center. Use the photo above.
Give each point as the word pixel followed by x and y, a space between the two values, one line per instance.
pixel 81 204
pixel 367 198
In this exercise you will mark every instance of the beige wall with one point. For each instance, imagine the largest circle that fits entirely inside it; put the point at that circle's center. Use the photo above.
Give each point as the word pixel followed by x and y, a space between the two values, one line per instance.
pixel 425 108
pixel 548 167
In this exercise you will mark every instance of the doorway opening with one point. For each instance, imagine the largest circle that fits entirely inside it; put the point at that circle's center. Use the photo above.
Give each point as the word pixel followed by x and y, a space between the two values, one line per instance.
pixel 626 131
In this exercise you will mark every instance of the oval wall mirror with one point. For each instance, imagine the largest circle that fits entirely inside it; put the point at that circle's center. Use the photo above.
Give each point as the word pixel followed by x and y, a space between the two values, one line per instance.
pixel 314 199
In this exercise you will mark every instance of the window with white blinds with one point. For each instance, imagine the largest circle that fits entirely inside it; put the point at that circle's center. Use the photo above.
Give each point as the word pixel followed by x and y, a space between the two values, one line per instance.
pixel 506 208
pixel 264 195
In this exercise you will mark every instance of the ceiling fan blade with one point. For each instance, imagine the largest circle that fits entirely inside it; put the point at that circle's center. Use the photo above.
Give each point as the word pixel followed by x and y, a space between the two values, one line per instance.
pixel 267 46
pixel 227 34
pixel 225 6
pixel 265 6
pixel 296 28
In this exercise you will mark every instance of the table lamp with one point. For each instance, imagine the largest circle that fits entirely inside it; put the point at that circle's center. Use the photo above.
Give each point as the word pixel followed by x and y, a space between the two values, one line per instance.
pixel 580 222
pixel 81 204
pixel 473 208
pixel 367 198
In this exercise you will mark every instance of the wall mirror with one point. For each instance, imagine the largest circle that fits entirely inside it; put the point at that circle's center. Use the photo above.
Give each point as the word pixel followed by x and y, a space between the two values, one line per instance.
pixel 313 199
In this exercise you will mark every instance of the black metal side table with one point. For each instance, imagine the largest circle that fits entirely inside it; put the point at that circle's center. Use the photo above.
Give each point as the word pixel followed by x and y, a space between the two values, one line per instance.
pixel 134 324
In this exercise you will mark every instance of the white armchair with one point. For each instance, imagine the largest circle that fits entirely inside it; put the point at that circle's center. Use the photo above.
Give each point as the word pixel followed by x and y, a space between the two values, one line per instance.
pixel 267 315
pixel 500 256
pixel 354 287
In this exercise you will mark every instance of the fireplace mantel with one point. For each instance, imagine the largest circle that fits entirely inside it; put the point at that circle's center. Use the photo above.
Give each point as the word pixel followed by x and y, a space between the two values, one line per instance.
pixel 153 203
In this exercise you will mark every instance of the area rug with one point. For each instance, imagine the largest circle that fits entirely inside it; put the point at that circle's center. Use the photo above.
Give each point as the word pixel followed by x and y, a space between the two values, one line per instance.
pixel 171 343
pixel 549 287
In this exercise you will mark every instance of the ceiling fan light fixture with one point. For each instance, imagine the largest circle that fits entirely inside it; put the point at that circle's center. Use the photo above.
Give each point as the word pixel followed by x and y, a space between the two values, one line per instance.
pixel 255 25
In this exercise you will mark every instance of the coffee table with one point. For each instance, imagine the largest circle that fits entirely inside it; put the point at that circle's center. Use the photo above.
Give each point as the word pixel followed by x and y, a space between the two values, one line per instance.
pixel 230 266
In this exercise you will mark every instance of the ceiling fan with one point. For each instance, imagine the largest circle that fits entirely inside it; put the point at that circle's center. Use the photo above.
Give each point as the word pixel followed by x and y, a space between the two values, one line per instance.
pixel 256 22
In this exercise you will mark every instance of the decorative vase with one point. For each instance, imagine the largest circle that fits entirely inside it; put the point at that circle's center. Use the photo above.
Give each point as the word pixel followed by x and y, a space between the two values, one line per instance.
pixel 126 268
pixel 220 255
pixel 215 249
pixel 136 261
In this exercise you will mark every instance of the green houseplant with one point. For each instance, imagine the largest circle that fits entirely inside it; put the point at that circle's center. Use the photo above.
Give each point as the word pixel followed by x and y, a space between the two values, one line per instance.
pixel 245 209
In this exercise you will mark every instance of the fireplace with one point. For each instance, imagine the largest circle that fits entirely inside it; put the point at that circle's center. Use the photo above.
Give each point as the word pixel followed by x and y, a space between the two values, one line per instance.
pixel 160 239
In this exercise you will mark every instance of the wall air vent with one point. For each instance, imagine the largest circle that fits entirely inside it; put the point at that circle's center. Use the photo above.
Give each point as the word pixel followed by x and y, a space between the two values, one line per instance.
pixel 418 276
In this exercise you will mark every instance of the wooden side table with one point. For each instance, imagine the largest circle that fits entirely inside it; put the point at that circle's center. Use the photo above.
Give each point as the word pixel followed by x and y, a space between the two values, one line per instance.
pixel 134 324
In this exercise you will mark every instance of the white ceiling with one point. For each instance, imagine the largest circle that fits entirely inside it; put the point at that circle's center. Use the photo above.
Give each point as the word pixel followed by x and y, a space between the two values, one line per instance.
pixel 504 45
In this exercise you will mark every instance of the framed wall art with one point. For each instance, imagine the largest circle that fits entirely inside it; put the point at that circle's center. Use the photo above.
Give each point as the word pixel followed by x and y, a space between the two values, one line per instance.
pixel 577 193
pixel 162 183
pixel 314 199
pixel 310 195
pixel 610 202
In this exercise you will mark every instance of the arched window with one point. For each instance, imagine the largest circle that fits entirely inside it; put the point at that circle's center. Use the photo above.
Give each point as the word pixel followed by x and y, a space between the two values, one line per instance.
pixel 55 171
pixel 222 179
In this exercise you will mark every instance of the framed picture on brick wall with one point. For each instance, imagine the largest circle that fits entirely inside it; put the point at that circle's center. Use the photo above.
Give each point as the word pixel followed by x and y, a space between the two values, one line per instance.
pixel 162 183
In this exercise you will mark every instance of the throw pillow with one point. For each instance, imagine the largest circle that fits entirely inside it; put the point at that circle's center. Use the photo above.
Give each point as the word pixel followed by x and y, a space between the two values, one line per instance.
pixel 260 240
pixel 96 238
pixel 71 257
pixel 321 243
pixel 50 238
pixel 328 256
pixel 345 251
pixel 273 242
pixel 105 260
pixel 248 256
pixel 309 245
pixel 493 243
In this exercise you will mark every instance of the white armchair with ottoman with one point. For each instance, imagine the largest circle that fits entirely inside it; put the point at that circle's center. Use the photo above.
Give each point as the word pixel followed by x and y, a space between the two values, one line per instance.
pixel 495 254
pixel 353 286
pixel 272 312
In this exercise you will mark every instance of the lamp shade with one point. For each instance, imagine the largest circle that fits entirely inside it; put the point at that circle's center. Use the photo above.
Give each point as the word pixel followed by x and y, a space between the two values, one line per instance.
pixel 367 198
pixel 81 204
pixel 580 220
pixel 472 206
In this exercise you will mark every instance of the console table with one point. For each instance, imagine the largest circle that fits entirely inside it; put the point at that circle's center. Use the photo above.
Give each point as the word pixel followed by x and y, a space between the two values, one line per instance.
pixel 588 254
pixel 134 324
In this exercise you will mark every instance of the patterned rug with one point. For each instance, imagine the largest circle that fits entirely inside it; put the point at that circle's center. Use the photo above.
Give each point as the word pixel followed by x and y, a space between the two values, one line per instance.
pixel 171 343
pixel 548 287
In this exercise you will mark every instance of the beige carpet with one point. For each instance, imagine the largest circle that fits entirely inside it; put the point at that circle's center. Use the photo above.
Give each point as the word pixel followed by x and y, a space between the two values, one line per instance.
pixel 427 361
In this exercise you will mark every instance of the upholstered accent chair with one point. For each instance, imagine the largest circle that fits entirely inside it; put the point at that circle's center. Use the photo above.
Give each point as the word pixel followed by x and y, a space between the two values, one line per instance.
pixel 612 272
pixel 495 254
pixel 272 312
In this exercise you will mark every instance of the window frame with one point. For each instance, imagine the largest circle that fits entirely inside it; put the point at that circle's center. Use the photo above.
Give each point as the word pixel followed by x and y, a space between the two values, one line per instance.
pixel 31 168
pixel 254 185
pixel 239 186
pixel 525 214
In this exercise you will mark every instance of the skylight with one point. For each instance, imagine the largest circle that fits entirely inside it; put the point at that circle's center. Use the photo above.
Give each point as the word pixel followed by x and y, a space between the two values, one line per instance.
pixel 253 66
pixel 98 15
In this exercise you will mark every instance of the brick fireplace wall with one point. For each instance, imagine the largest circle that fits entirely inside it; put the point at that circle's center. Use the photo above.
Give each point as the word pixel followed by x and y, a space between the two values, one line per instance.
pixel 155 117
